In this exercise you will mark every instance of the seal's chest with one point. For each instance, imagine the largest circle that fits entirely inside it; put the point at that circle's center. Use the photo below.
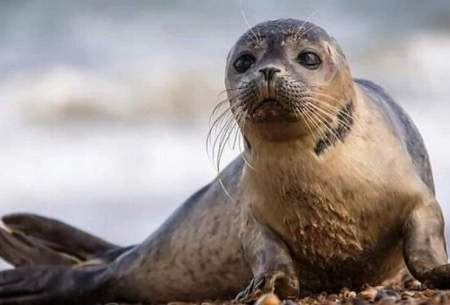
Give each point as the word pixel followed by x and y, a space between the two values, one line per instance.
pixel 320 226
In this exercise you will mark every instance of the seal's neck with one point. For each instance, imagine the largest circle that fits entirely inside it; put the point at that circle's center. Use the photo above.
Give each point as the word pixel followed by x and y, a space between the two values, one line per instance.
pixel 327 135
pixel 293 158
pixel 332 142
pixel 332 135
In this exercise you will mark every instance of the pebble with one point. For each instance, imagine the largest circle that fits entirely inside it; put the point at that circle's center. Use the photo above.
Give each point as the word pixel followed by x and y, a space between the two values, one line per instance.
pixel 328 302
pixel 369 294
pixel 268 299
pixel 413 285
pixel 333 297
pixel 429 293
pixel 348 294
pixel 360 301
pixel 386 302
pixel 386 294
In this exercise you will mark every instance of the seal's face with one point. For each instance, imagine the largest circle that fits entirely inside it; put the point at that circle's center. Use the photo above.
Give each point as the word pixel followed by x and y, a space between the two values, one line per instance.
pixel 277 75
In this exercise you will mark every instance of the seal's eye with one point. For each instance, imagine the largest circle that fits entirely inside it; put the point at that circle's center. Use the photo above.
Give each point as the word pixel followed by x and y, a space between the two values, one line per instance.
pixel 309 60
pixel 244 62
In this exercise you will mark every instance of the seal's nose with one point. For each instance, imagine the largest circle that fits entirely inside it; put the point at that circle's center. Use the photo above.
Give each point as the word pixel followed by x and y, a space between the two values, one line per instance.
pixel 268 73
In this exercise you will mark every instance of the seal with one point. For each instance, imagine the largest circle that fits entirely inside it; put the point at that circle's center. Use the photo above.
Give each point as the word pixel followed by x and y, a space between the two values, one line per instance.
pixel 333 189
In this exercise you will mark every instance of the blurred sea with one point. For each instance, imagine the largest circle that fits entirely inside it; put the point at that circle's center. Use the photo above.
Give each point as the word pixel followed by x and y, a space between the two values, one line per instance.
pixel 104 104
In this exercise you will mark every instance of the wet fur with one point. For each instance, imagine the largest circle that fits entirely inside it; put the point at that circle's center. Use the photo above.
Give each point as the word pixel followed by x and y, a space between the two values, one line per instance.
pixel 344 217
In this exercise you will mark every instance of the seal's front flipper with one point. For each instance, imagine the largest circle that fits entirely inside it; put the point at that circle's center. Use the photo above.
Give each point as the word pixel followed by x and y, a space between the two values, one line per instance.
pixel 54 286
pixel 424 246
pixel 249 293
pixel 270 260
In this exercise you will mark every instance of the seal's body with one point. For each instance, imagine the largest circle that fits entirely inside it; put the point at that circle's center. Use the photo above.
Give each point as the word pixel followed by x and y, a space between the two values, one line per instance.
pixel 334 188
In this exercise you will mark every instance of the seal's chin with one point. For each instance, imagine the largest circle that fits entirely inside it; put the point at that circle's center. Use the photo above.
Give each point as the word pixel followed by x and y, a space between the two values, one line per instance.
pixel 270 110
pixel 271 120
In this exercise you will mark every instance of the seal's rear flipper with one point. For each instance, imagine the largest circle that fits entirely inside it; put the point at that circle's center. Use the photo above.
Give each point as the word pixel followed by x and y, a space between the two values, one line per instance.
pixel 55 285
pixel 58 235
pixel 36 240
pixel 20 251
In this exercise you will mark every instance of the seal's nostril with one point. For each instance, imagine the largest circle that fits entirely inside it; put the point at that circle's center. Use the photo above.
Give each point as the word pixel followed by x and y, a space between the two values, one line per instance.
pixel 269 72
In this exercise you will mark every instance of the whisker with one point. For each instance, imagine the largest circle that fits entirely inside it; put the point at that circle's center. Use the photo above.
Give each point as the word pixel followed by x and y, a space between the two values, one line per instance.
pixel 316 124
pixel 302 26
pixel 223 103
pixel 224 139
pixel 220 134
pixel 213 130
pixel 306 120
pixel 227 133
pixel 334 110
pixel 347 157
pixel 224 189
pixel 229 108
pixel 241 142
pixel 235 130
pixel 241 114
pixel 236 135
pixel 230 89
pixel 324 123
pixel 330 115
pixel 310 119
pixel 307 30
pixel 349 119
pixel 213 127
pixel 244 16
pixel 240 119
pixel 317 92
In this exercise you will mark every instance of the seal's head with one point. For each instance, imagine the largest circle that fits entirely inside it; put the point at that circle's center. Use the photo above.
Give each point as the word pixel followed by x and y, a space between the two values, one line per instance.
pixel 285 78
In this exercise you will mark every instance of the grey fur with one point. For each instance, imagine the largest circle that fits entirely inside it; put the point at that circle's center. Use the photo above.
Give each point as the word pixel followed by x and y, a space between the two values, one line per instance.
pixel 407 131
pixel 297 222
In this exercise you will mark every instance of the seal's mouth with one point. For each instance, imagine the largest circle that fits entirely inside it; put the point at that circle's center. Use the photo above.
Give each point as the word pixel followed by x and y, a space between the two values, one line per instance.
pixel 269 110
